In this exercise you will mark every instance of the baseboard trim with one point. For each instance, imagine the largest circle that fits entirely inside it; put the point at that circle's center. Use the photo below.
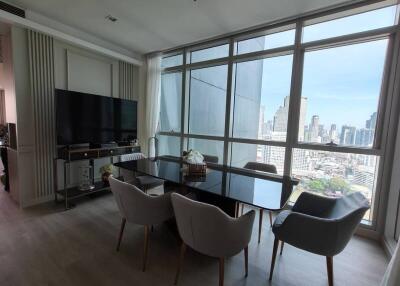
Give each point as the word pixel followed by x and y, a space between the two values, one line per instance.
pixel 388 246
pixel 38 201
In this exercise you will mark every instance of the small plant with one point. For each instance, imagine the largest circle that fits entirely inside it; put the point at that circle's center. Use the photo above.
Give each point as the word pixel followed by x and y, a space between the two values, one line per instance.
pixel 105 172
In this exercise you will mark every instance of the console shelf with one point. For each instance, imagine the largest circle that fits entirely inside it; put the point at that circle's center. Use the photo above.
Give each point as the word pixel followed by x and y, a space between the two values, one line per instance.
pixel 85 154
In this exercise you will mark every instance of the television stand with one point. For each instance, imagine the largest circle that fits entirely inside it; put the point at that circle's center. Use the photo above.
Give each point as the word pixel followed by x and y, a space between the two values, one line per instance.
pixel 69 193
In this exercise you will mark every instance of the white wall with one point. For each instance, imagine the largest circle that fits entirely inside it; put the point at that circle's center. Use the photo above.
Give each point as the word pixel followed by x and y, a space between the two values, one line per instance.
pixel 82 70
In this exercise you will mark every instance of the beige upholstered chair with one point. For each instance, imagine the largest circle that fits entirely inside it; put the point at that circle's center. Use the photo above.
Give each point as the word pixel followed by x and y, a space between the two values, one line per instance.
pixel 139 208
pixel 208 230
pixel 143 182
pixel 263 168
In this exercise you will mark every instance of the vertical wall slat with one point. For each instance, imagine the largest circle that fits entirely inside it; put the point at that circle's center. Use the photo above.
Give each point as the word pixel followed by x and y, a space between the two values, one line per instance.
pixel 126 82
pixel 41 66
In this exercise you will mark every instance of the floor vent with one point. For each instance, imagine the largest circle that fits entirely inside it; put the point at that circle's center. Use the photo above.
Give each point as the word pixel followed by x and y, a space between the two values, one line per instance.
pixel 12 9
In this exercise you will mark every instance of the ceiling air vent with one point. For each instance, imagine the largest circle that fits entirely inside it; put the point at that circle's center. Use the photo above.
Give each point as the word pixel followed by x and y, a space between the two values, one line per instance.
pixel 12 9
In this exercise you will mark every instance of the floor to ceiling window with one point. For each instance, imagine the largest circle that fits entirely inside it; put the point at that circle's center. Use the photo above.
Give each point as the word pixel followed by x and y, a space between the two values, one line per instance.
pixel 308 97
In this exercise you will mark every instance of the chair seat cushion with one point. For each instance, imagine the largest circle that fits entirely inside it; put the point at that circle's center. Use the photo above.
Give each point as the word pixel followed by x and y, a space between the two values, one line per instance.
pixel 149 182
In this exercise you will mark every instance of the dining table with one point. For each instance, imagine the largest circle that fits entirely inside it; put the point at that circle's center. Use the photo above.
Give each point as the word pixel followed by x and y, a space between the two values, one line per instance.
pixel 220 185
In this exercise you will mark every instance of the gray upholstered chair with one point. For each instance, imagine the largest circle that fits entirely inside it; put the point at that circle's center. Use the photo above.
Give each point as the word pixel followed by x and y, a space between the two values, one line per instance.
pixel 319 225
pixel 208 230
pixel 143 182
pixel 263 168
pixel 139 208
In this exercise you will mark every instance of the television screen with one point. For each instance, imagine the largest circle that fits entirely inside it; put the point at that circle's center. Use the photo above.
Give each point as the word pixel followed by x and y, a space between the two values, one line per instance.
pixel 125 125
pixel 89 118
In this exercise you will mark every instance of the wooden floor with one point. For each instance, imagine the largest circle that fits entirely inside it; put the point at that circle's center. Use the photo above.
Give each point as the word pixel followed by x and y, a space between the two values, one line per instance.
pixel 48 246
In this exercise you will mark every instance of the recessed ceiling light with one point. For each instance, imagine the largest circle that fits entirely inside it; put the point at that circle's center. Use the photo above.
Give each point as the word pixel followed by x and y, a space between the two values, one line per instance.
pixel 111 18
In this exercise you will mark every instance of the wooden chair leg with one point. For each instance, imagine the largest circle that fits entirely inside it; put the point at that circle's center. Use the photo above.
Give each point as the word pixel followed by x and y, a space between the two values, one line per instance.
pixel 275 250
pixel 121 232
pixel 237 209
pixel 329 266
pixel 246 261
pixel 282 244
pixel 180 262
pixel 146 246
pixel 221 271
pixel 270 218
pixel 260 225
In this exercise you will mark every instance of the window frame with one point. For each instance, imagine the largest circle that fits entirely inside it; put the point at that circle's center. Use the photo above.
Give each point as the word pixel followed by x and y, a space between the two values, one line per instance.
pixel 385 111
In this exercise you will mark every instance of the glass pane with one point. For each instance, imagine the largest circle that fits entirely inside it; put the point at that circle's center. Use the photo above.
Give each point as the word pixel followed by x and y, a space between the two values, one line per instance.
pixel 242 153
pixel 209 54
pixel 170 102
pixel 335 174
pixel 261 98
pixel 169 145
pixel 208 100
pixel 340 94
pixel 172 61
pixel 211 148
pixel 362 22
pixel 270 41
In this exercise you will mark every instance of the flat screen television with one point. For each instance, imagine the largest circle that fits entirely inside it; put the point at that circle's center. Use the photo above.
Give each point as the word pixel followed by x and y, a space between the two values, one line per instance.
pixel 88 118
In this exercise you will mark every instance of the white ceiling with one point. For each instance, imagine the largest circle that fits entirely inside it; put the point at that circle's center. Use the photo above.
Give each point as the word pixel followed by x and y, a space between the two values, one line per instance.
pixel 152 25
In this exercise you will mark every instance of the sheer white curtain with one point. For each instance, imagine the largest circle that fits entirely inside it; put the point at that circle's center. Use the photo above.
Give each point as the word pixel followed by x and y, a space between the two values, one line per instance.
pixel 392 275
pixel 153 90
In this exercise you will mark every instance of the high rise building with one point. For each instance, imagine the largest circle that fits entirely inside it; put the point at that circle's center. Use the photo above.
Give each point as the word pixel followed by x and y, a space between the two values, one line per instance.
pixel 314 129
pixel 333 136
pixel 364 137
pixel 371 122
pixel 302 117
pixel 348 135
pixel 282 114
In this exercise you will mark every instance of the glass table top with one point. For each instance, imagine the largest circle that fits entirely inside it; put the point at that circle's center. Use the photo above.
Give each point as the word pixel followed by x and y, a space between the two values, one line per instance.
pixel 260 189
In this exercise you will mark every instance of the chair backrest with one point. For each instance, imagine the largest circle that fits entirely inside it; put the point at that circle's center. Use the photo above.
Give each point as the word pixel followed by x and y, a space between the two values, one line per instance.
pixel 210 159
pixel 261 167
pixel 348 211
pixel 207 229
pixel 138 207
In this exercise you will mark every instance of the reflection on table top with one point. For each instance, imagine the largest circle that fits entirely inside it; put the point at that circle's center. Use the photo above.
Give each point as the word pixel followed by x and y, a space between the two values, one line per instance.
pixel 260 189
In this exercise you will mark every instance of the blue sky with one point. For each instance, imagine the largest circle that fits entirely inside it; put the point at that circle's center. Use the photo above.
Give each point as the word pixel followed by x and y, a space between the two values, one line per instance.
pixel 342 84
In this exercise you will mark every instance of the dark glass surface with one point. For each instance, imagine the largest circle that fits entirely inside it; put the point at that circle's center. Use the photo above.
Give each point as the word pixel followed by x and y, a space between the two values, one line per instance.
pixel 89 118
pixel 263 190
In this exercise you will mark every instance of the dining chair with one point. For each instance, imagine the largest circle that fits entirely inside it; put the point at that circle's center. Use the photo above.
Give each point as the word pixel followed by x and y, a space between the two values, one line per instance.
pixel 320 225
pixel 208 230
pixel 139 208
pixel 143 182
pixel 263 168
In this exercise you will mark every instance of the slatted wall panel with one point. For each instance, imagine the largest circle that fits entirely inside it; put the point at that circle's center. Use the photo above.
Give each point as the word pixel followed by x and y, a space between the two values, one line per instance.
pixel 41 66
pixel 2 108
pixel 126 80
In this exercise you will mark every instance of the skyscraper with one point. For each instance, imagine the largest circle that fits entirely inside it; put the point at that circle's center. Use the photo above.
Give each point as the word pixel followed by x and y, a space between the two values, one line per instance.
pixel 348 135
pixel 281 117
pixel 371 122
pixel 314 128
pixel 282 114
pixel 333 133
pixel 302 118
